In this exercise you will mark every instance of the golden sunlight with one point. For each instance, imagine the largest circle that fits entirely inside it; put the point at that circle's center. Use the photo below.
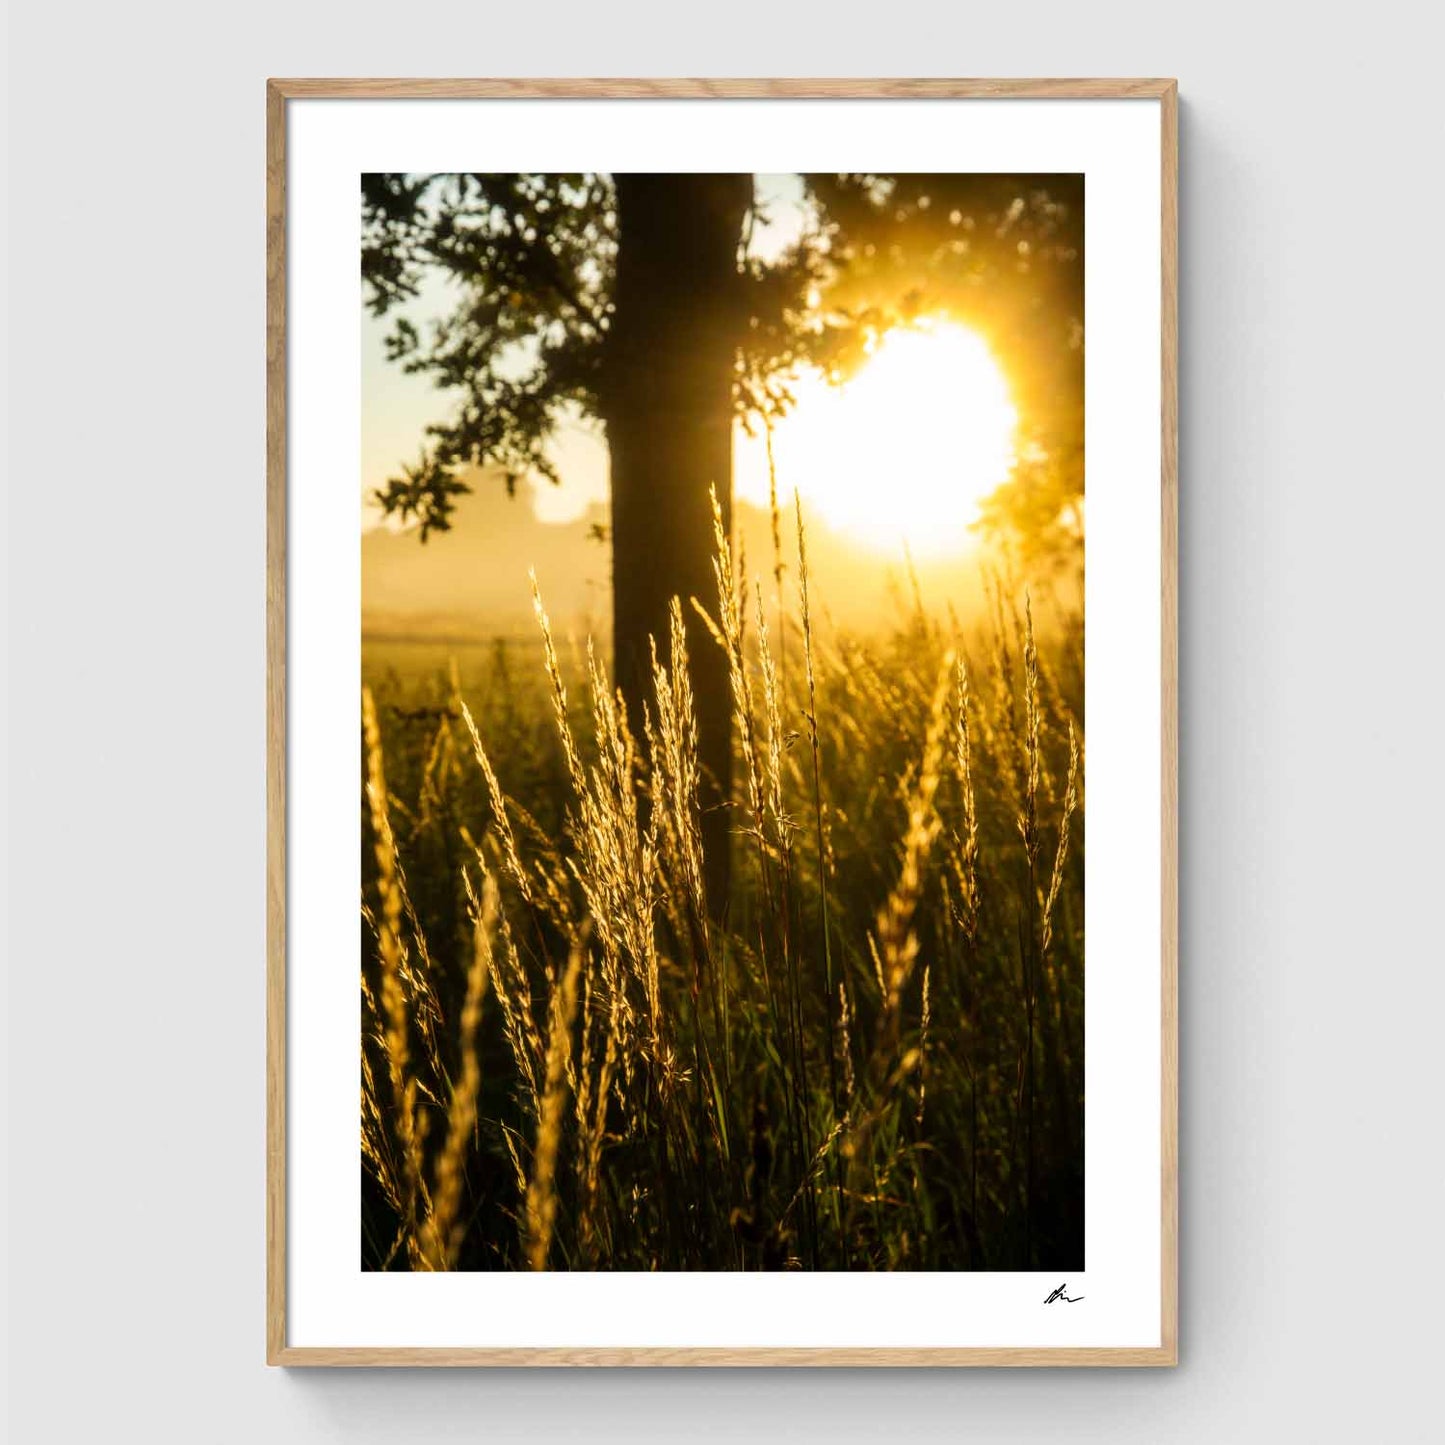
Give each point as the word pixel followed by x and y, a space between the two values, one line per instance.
pixel 903 452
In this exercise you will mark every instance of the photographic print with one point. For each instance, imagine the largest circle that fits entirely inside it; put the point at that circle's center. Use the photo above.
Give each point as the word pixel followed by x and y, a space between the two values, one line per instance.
pixel 694 660
pixel 723 668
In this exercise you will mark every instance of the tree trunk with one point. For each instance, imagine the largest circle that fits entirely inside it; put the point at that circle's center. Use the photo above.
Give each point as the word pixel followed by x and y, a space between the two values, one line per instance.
pixel 667 404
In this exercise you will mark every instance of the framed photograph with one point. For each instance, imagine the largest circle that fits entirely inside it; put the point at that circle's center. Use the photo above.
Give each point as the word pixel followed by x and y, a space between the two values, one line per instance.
pixel 682 715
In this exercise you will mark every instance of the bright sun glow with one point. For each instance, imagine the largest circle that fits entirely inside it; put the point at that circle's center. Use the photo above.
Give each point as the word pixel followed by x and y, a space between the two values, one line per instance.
pixel 903 452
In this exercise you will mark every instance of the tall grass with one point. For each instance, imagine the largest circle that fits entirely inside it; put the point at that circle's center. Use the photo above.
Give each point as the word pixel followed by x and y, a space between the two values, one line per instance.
pixel 870 1055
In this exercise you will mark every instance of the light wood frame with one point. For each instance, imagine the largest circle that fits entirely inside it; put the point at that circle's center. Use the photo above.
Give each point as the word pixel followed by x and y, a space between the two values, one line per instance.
pixel 278 92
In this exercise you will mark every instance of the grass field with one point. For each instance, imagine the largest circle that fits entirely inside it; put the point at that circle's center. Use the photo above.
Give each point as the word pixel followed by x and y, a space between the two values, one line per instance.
pixel 869 1056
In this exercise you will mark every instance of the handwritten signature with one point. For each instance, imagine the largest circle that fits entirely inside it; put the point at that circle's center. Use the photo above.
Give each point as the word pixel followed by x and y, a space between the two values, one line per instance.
pixel 1061 1294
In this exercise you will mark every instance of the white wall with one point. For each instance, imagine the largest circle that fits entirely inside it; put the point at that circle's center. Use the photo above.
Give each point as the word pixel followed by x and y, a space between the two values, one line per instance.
pixel 1312 799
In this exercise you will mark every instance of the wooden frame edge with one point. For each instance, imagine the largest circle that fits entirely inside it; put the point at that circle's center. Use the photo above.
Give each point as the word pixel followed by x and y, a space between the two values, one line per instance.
pixel 643 88
pixel 278 92
pixel 1169 723
pixel 275 723
pixel 1002 1357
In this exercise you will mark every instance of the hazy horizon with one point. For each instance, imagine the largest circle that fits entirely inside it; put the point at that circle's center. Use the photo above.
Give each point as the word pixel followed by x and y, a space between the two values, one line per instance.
pixel 472 582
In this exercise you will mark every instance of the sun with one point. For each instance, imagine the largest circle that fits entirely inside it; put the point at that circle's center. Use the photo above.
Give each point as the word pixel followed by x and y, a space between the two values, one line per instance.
pixel 902 453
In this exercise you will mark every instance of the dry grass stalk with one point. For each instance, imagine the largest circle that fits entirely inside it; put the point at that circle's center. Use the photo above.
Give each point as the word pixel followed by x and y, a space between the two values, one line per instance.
pixel 499 810
pixel 559 691
pixel 1029 815
pixel 728 631
pixel 617 868
pixel 897 940
pixel 925 1019
pixel 446 1226
pixel 393 992
pixel 773 716
pixel 591 1101
pixel 672 748
pixel 1061 855
pixel 966 851
pixel 541 1191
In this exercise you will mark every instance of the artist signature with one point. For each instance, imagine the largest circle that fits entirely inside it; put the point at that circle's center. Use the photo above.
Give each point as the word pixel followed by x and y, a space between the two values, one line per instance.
pixel 1061 1294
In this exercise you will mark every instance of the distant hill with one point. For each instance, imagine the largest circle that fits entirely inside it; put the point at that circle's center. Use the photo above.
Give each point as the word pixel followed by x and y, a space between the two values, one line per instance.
pixel 471 583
